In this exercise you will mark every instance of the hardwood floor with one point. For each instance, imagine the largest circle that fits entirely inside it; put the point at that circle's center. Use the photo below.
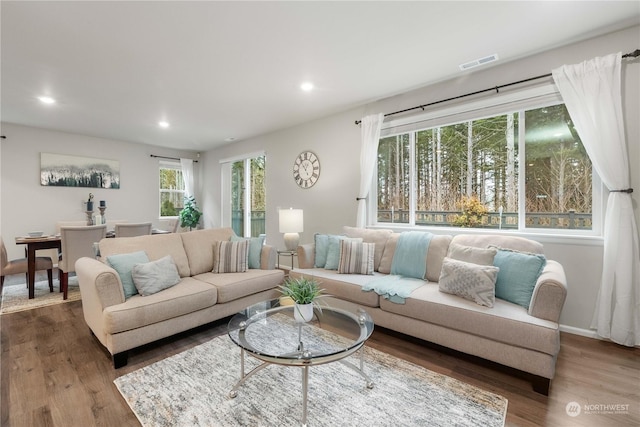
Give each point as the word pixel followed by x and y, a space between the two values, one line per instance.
pixel 55 373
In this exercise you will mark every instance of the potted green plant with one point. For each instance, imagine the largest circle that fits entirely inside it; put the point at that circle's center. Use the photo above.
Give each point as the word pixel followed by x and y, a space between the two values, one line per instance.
pixel 190 215
pixel 304 293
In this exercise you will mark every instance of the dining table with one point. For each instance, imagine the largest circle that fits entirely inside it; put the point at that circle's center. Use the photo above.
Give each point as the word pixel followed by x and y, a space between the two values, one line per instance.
pixel 35 244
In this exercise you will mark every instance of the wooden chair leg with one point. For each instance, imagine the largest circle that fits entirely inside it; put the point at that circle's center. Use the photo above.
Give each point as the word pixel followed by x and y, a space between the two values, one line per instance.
pixel 64 283
pixel 50 277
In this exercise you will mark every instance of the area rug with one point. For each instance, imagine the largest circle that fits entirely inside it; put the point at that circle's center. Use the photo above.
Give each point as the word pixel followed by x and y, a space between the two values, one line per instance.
pixel 16 297
pixel 192 388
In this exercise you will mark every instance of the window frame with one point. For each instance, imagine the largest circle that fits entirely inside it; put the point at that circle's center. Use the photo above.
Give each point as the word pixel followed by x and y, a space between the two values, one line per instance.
pixel 168 164
pixel 512 102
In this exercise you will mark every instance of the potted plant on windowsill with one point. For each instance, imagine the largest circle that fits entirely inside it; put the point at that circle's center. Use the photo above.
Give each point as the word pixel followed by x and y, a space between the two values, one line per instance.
pixel 190 215
pixel 304 293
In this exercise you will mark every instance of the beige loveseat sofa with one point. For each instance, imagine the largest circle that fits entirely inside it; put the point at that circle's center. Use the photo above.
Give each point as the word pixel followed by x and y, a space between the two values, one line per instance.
pixel 200 296
pixel 507 333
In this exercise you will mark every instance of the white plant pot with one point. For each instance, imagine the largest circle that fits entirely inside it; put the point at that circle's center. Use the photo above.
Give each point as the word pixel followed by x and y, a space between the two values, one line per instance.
pixel 303 312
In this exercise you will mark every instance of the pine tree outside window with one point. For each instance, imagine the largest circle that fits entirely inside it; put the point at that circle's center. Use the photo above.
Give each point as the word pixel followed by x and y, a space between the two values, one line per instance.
pixel 527 168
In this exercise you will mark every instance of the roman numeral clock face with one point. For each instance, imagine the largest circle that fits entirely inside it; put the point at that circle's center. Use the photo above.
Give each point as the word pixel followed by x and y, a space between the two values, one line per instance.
pixel 306 169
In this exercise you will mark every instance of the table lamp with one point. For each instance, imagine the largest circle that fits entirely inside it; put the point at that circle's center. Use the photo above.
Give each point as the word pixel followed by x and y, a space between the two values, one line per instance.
pixel 291 221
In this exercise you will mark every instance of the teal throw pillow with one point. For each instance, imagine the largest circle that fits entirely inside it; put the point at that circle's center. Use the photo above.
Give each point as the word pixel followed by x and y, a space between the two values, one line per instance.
pixel 519 272
pixel 321 248
pixel 123 264
pixel 255 248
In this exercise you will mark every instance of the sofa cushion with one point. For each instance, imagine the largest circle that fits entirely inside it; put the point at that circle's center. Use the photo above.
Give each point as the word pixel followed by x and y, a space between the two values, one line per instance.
pixel 471 281
pixel 230 257
pixel 379 237
pixel 347 287
pixel 356 257
pixel 508 242
pixel 232 286
pixel 154 276
pixel 198 246
pixel 255 249
pixel 505 322
pixel 482 256
pixel 188 296
pixel 123 265
pixel 156 246
pixel 519 272
pixel 438 248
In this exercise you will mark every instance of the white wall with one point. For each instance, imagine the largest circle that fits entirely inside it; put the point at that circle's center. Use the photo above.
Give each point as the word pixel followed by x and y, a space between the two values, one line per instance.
pixel 330 204
pixel 28 206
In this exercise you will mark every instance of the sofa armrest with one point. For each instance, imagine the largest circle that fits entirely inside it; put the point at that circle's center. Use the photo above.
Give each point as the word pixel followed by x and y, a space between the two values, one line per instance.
pixel 550 293
pixel 306 255
pixel 268 257
pixel 100 284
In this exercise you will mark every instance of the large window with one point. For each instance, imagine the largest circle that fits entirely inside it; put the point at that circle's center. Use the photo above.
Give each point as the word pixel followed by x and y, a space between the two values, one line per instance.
pixel 171 189
pixel 517 170
pixel 248 196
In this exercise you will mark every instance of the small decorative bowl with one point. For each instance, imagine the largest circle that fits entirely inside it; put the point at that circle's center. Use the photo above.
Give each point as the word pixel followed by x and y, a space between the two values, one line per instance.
pixel 35 233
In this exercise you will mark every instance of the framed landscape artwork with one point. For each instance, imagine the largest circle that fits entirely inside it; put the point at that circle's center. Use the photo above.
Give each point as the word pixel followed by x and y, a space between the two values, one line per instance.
pixel 62 170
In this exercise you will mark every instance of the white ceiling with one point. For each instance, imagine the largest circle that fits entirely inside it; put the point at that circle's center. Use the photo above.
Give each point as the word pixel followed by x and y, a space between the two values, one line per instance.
pixel 216 70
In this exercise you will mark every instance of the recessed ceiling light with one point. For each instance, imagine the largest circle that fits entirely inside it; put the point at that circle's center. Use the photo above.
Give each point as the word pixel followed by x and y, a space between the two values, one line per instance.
pixel 306 86
pixel 230 139
pixel 46 100
pixel 163 124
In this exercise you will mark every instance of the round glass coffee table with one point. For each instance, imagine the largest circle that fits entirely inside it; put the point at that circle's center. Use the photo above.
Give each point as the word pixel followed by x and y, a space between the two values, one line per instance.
pixel 269 332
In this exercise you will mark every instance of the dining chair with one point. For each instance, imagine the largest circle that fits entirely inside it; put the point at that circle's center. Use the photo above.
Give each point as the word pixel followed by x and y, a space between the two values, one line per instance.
pixel 77 242
pixel 131 229
pixel 20 265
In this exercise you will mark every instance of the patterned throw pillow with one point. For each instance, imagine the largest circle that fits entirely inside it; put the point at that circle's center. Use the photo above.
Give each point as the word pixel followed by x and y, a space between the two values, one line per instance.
pixel 255 249
pixel 333 250
pixel 356 257
pixel 154 276
pixel 470 281
pixel 230 257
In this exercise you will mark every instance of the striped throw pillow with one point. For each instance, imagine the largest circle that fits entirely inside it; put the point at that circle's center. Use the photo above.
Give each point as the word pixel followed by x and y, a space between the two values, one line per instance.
pixel 356 257
pixel 230 257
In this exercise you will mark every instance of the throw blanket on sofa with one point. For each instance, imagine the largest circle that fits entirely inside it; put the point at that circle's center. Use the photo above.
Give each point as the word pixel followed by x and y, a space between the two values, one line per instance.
pixel 408 268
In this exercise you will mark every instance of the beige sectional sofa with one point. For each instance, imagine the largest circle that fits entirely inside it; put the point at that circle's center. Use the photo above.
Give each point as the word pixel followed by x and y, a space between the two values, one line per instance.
pixel 200 296
pixel 507 333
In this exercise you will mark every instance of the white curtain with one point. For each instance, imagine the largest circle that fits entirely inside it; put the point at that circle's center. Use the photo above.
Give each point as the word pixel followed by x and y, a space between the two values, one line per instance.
pixel 592 94
pixel 370 135
pixel 187 175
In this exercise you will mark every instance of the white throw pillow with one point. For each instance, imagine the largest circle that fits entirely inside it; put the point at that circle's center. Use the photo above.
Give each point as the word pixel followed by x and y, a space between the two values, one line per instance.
pixel 470 281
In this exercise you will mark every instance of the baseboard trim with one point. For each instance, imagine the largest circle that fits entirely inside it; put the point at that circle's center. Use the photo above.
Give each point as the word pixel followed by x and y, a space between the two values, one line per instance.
pixel 579 331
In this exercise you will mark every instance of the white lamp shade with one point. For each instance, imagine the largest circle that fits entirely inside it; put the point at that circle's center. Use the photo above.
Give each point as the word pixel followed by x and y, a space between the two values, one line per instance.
pixel 291 220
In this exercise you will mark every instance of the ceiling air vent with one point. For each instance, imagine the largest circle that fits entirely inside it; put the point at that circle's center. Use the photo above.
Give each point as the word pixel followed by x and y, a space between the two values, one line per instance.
pixel 478 62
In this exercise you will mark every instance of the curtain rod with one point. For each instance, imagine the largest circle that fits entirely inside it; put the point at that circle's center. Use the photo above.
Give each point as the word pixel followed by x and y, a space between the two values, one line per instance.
pixel 633 54
pixel 168 158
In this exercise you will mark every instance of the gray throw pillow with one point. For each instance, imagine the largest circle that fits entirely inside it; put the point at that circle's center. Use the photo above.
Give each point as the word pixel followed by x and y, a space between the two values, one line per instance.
pixel 152 277
pixel 470 281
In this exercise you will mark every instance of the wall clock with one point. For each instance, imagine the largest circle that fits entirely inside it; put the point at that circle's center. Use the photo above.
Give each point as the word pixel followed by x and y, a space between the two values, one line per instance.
pixel 306 169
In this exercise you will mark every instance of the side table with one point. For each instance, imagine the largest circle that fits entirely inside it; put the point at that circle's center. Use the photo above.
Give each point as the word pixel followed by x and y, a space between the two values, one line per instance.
pixel 292 254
